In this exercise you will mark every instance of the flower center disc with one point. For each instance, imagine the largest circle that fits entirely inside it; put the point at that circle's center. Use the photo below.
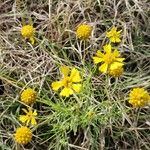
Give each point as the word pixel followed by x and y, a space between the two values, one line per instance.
pixel 109 58
pixel 67 82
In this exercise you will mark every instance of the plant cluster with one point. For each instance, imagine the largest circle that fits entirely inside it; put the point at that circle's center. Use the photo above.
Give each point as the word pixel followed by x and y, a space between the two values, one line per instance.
pixel 74 75
pixel 71 83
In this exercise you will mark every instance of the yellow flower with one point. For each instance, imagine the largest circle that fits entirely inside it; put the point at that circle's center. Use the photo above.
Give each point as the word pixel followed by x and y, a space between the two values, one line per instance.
pixel 23 135
pixel 70 83
pixel 139 97
pixel 114 35
pixel 29 117
pixel 83 31
pixel 91 114
pixel 27 31
pixel 116 72
pixel 111 59
pixel 28 96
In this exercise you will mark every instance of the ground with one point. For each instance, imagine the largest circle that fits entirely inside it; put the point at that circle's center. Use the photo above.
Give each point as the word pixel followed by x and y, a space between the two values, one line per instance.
pixel 100 116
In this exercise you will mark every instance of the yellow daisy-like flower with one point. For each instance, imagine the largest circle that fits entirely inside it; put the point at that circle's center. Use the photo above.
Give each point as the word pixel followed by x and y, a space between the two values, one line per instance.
pixel 23 135
pixel 27 31
pixel 28 96
pixel 29 117
pixel 111 59
pixel 139 97
pixel 114 35
pixel 70 83
pixel 83 31
pixel 116 72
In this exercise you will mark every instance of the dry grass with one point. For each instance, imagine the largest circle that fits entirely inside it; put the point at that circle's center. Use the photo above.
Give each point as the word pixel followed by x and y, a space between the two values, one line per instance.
pixel 116 126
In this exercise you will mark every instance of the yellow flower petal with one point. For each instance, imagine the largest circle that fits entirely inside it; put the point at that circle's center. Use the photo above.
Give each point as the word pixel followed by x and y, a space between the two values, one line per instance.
pixel 76 87
pixel 66 92
pixel 111 32
pixel 56 85
pixel 116 65
pixel 33 121
pixel 119 31
pixel 107 48
pixel 117 40
pixel 64 70
pixel 32 40
pixel 108 34
pixel 120 59
pixel 28 121
pixel 114 29
pixel 116 53
pixel 99 53
pixel 113 39
pixel 23 118
pixel 97 60
pixel 75 76
pixel 35 113
pixel 103 68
